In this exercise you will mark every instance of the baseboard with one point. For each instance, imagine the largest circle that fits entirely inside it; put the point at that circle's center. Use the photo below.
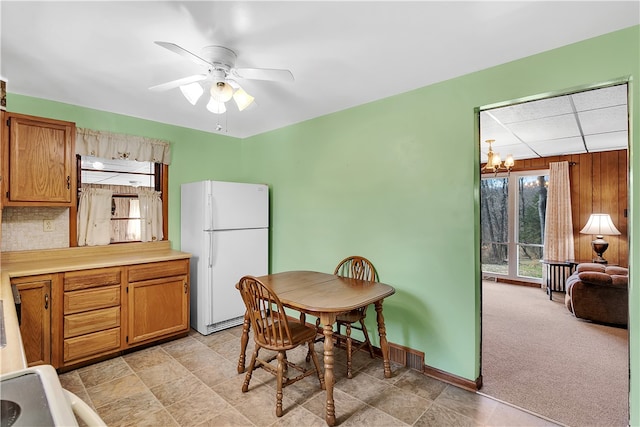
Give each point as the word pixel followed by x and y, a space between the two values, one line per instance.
pixel 414 359
pixel 517 282
pixel 455 380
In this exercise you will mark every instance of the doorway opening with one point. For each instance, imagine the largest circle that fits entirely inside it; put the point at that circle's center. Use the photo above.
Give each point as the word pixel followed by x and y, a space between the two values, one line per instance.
pixel 589 130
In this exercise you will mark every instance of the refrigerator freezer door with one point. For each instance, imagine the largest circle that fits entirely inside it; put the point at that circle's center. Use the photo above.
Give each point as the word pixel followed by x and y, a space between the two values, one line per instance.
pixel 194 208
pixel 238 205
pixel 236 253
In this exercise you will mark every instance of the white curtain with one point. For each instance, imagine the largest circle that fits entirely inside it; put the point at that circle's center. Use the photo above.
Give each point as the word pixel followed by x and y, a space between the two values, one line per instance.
pixel 133 226
pixel 558 231
pixel 150 214
pixel 111 145
pixel 94 217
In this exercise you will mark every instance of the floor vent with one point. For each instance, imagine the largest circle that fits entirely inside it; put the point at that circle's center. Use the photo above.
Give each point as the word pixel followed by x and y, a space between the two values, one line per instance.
pixel 406 356
pixel 225 324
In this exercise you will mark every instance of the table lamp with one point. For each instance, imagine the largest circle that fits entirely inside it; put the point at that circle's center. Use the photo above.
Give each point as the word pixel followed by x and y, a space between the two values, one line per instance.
pixel 600 225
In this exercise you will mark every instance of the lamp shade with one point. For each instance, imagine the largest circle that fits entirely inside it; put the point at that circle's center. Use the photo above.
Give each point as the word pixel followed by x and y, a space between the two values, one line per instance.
pixel 216 107
pixel 600 225
pixel 221 92
pixel 192 92
pixel 242 98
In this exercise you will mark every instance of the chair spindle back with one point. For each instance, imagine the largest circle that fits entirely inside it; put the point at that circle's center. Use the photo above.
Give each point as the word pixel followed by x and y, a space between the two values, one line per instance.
pixel 266 313
pixel 357 267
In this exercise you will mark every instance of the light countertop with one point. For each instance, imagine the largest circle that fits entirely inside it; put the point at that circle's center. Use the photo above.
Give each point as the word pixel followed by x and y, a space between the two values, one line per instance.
pixel 30 263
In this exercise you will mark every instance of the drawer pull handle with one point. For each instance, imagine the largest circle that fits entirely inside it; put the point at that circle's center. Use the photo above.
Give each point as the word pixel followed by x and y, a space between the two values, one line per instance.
pixel 185 287
pixel 46 301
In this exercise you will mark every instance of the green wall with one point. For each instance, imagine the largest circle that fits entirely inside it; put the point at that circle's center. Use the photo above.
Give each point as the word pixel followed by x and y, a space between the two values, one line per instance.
pixel 397 181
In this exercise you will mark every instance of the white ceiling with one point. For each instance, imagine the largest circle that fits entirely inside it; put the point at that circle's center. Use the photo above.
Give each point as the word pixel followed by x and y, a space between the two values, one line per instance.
pixel 102 55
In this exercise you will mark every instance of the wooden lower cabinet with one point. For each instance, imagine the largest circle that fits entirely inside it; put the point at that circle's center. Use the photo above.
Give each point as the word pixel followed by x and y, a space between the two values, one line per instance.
pixel 102 311
pixel 91 313
pixel 35 317
pixel 157 308
pixel 92 345
pixel 158 302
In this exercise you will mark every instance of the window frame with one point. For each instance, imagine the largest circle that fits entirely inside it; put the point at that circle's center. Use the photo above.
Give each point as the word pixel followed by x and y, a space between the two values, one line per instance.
pixel 161 184
pixel 513 224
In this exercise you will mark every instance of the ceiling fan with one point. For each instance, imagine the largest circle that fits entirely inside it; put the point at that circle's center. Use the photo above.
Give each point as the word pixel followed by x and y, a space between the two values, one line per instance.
pixel 220 77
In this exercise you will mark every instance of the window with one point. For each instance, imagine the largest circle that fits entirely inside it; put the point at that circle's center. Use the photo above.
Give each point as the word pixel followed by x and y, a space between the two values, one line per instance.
pixel 512 212
pixel 125 178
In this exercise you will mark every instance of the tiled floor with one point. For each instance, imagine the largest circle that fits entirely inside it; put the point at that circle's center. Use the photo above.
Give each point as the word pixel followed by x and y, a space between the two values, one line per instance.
pixel 193 381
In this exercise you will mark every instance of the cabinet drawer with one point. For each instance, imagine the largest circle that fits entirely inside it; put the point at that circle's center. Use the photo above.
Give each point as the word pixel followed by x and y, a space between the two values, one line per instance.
pixel 91 321
pixel 108 296
pixel 76 280
pixel 156 270
pixel 91 344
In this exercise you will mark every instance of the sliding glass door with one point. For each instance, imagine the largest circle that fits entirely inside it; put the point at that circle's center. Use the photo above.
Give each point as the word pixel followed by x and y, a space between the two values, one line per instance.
pixel 512 211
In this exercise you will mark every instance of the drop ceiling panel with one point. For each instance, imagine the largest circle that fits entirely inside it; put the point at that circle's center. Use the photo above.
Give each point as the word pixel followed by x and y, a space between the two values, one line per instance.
pixel 600 98
pixel 499 134
pixel 518 151
pixel 533 110
pixel 608 141
pixel 604 120
pixel 548 148
pixel 556 127
pixel 549 127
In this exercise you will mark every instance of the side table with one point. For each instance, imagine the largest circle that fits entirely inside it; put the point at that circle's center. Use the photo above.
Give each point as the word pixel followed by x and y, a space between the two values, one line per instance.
pixel 557 273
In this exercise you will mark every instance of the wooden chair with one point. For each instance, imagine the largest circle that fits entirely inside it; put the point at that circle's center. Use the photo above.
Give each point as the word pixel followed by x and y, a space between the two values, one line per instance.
pixel 273 331
pixel 356 267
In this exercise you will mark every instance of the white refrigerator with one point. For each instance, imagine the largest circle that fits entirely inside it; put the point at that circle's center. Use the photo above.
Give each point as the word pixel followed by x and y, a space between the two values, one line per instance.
pixel 225 226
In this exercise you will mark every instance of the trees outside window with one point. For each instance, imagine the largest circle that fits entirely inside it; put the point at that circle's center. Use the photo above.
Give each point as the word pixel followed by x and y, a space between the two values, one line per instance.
pixel 512 212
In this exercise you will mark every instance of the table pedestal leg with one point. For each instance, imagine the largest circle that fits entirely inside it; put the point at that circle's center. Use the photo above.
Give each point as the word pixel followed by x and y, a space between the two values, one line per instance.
pixel 384 345
pixel 330 409
pixel 243 343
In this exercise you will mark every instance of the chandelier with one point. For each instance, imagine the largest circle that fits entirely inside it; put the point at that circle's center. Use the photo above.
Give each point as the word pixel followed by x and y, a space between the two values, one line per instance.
pixel 494 162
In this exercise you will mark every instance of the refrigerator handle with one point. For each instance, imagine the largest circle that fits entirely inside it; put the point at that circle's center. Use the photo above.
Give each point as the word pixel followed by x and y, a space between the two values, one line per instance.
pixel 209 211
pixel 210 249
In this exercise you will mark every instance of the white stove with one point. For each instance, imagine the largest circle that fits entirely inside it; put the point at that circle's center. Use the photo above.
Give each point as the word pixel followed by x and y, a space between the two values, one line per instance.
pixel 34 397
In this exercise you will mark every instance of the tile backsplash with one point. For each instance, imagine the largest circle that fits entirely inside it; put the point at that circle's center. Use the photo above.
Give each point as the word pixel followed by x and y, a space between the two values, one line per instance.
pixel 23 228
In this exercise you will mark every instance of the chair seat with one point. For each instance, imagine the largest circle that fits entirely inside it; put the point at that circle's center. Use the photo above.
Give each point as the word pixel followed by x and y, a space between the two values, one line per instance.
pixel 301 333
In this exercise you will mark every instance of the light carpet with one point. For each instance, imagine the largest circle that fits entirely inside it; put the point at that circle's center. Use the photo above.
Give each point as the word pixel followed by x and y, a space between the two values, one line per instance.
pixel 538 356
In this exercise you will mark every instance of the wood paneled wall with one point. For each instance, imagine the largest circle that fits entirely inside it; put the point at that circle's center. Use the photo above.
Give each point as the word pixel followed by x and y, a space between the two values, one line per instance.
pixel 599 184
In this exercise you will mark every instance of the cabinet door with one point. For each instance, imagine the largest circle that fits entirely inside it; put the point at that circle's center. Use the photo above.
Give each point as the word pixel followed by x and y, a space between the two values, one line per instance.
pixel 35 321
pixel 157 308
pixel 39 167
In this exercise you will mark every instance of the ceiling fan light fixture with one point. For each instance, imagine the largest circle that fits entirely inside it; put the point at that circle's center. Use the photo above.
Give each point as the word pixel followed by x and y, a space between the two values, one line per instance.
pixel 192 92
pixel 242 99
pixel 215 106
pixel 221 91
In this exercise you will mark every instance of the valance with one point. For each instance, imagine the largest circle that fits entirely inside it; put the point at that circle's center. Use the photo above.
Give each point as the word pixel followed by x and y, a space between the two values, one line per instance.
pixel 110 145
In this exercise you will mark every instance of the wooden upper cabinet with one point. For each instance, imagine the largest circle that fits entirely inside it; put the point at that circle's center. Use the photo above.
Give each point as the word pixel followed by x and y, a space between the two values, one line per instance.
pixel 38 167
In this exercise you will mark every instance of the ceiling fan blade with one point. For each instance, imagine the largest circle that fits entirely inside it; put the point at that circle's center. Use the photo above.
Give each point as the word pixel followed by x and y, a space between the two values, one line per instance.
pixel 184 52
pixel 263 74
pixel 175 83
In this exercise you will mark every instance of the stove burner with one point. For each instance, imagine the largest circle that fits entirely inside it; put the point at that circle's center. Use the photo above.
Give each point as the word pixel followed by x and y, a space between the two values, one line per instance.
pixel 10 412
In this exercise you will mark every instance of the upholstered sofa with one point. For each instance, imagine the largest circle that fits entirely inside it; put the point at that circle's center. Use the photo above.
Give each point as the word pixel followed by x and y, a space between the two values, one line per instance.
pixel 599 293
